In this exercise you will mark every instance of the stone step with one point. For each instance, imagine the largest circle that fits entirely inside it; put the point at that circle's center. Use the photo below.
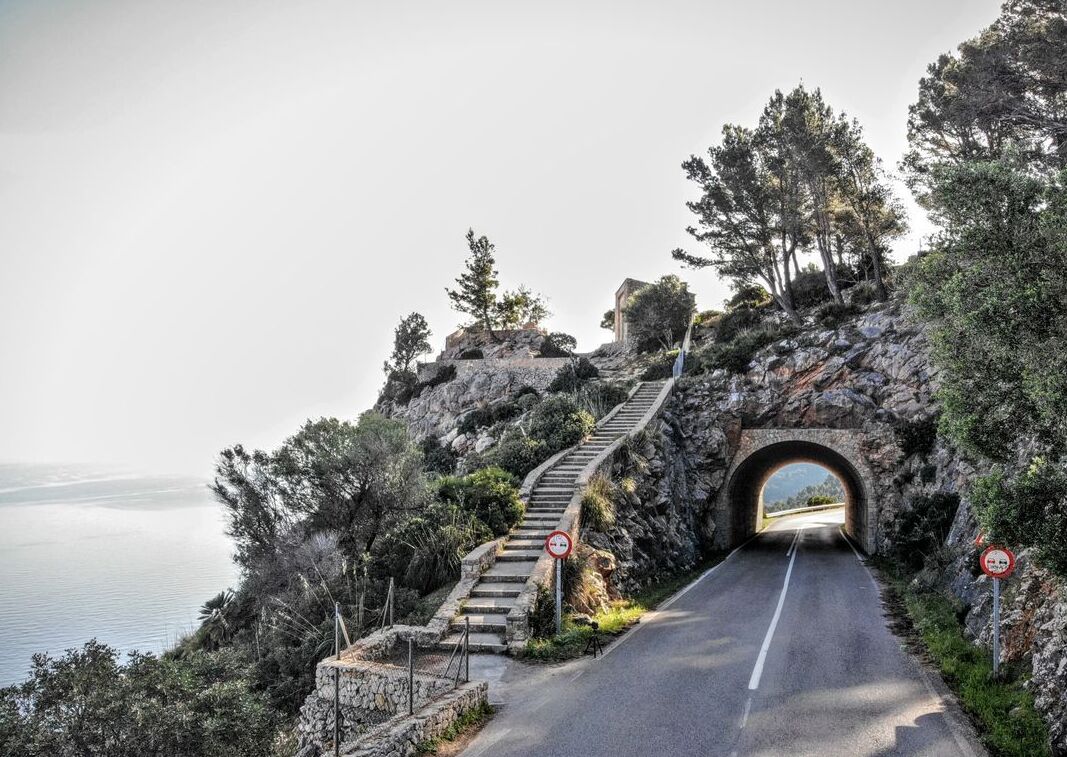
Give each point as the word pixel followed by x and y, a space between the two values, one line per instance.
pixel 537 544
pixel 488 605
pixel 495 591
pixel 509 571
pixel 481 623
pixel 479 642
pixel 517 555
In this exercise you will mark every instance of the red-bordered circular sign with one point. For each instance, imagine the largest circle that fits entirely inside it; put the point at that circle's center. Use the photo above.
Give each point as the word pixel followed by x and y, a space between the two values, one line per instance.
pixel 997 562
pixel 559 544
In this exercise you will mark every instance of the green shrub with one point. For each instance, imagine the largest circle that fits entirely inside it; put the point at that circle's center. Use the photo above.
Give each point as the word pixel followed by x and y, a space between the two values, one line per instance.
pixel 736 321
pixel 488 494
pixel 831 314
pixel 810 289
pixel 599 398
pixel 921 528
pixel 436 457
pixel 658 314
pixel 518 453
pixel 487 416
pixel 1029 510
pixel 571 376
pixel 558 344
pixel 442 376
pixel 747 297
pixel 399 386
pixel 916 436
pixel 423 552
pixel 815 500
pixel 560 423
pixel 598 504
pixel 736 355
pixel 863 293
pixel 661 367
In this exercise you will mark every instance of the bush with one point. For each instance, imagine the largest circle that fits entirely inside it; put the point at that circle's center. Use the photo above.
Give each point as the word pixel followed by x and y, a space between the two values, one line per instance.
pixel 863 293
pixel 517 453
pixel 748 296
pixel 560 423
pixel 474 353
pixel 736 321
pixel 436 457
pixel 661 367
pixel 657 315
pixel 424 551
pixel 399 386
pixel 573 375
pixel 487 416
pixel 598 504
pixel 922 527
pixel 488 494
pixel 598 398
pixel 831 314
pixel 1029 510
pixel 809 289
pixel 558 344
pixel 815 500
pixel 736 355
pixel 917 436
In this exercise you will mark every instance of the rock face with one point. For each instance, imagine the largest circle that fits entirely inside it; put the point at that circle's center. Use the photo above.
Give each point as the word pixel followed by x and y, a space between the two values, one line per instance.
pixel 872 374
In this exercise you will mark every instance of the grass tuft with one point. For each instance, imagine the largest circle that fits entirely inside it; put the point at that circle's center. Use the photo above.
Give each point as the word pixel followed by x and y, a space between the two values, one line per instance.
pixel 467 724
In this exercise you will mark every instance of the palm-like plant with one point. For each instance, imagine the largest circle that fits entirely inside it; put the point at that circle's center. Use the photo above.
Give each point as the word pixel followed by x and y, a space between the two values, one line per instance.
pixel 215 628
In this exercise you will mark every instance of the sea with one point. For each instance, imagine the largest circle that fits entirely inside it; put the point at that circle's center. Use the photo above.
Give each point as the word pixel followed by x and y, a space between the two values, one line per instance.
pixel 101 552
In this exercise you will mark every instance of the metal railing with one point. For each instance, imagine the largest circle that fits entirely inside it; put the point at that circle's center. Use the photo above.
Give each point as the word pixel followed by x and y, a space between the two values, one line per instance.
pixel 679 362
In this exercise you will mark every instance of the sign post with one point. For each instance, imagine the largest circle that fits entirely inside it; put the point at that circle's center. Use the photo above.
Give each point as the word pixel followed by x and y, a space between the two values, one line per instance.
pixel 559 545
pixel 997 563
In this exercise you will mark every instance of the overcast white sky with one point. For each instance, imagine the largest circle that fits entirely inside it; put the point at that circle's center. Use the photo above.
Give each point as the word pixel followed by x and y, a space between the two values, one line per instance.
pixel 214 213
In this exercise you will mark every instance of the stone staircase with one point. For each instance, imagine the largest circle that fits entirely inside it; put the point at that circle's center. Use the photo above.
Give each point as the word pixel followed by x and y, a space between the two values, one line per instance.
pixel 496 591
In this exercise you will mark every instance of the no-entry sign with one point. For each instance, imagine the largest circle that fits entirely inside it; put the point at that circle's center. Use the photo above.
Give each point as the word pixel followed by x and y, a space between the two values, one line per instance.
pixel 558 544
pixel 997 562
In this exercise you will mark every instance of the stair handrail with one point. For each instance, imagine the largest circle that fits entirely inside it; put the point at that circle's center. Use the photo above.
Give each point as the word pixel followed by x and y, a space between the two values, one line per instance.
pixel 679 362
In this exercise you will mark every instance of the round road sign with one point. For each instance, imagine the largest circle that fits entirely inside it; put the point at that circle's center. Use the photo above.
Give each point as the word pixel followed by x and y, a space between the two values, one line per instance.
pixel 997 562
pixel 559 544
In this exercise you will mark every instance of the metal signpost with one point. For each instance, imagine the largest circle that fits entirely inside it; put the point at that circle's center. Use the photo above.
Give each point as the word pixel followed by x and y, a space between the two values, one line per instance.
pixel 997 563
pixel 559 545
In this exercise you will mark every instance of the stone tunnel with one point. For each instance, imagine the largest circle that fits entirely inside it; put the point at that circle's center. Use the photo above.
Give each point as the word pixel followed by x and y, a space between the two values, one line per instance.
pixel 761 452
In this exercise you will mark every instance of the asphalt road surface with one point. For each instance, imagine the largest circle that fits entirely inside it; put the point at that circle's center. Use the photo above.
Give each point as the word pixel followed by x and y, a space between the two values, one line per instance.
pixel 737 666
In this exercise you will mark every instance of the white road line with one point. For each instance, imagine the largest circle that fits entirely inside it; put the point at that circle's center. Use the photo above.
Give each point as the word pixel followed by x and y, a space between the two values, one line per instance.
pixel 757 671
pixel 848 541
pixel 796 535
pixel 748 707
pixel 576 676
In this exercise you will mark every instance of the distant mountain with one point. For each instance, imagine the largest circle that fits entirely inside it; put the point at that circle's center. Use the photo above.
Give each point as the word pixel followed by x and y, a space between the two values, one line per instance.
pixel 829 487
pixel 789 480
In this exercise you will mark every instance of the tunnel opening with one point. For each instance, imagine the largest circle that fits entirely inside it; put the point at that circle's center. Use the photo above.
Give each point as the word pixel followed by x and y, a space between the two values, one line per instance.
pixel 746 488
pixel 796 486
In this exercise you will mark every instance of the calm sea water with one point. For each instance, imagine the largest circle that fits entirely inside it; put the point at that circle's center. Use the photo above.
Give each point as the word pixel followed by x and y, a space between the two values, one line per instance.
pixel 91 552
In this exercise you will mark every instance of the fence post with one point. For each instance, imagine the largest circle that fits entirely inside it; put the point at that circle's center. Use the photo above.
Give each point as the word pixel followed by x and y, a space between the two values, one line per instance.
pixel 467 648
pixel 390 602
pixel 336 682
pixel 411 677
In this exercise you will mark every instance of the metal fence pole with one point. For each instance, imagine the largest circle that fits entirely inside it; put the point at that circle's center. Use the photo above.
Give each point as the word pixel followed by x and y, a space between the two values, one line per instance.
pixel 390 602
pixel 336 682
pixel 467 648
pixel 996 629
pixel 411 677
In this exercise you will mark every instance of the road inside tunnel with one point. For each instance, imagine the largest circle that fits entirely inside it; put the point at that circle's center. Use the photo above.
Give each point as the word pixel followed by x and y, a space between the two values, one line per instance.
pixel 795 602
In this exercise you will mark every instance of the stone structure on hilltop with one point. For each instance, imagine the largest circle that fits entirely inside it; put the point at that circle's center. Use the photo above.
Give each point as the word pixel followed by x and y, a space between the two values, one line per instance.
pixel 622 296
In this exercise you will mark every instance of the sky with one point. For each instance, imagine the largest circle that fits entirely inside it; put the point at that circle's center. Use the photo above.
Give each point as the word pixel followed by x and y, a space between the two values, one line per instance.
pixel 214 213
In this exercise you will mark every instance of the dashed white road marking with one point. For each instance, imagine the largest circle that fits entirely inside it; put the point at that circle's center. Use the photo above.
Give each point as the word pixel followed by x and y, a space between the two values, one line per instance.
pixel 757 671
pixel 748 707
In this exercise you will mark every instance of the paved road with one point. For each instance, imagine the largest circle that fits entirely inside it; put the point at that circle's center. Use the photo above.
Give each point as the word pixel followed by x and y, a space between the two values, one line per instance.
pixel 834 680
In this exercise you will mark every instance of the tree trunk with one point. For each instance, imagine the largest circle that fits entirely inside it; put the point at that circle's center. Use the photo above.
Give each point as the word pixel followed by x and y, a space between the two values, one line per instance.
pixel 876 268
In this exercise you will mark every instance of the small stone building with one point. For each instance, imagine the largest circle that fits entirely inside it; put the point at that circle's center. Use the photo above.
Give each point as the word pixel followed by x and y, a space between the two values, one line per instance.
pixel 622 297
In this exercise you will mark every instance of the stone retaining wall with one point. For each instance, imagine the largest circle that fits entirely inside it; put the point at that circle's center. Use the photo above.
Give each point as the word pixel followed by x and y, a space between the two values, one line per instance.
pixel 541 369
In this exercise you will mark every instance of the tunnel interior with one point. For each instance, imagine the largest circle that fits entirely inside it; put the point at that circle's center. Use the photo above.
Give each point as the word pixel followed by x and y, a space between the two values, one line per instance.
pixel 746 486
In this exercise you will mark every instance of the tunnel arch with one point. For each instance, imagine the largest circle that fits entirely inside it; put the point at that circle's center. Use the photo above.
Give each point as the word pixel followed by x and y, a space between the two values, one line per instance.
pixel 762 452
